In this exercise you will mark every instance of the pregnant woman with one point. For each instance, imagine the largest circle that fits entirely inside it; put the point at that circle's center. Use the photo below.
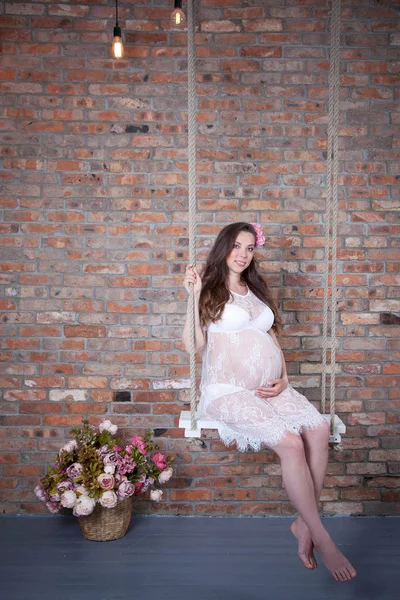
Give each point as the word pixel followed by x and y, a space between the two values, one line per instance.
pixel 245 388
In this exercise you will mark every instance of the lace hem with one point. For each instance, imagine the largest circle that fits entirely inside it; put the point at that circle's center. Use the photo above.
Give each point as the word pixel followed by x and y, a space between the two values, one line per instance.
pixel 246 440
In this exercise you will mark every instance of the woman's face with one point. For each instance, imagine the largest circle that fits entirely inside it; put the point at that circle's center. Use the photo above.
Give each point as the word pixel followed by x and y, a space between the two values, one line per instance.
pixel 242 253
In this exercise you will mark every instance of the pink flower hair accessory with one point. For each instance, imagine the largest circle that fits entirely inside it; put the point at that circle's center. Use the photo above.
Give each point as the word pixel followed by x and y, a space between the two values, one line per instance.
pixel 260 239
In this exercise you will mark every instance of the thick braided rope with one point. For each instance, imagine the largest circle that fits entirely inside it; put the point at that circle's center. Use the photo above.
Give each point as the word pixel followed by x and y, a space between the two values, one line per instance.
pixel 192 195
pixel 332 207
pixel 335 203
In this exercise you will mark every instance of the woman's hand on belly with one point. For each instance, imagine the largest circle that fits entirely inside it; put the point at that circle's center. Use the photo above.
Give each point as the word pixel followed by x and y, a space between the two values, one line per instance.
pixel 276 386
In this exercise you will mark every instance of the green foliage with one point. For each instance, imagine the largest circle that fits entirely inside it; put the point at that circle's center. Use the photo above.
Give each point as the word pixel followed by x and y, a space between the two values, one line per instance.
pixel 88 436
pixel 84 435
pixel 50 480
pixel 92 468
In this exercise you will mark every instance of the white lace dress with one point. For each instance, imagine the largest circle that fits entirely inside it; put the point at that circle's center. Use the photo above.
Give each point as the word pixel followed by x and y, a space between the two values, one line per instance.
pixel 239 357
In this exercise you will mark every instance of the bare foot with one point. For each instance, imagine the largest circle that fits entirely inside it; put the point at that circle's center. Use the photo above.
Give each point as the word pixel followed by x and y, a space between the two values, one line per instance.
pixel 305 549
pixel 338 565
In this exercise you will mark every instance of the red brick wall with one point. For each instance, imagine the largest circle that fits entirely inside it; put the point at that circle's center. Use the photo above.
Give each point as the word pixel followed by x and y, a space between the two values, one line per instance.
pixel 94 229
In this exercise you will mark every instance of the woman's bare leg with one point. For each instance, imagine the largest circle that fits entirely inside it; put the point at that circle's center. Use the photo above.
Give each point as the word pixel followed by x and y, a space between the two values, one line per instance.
pixel 316 446
pixel 300 488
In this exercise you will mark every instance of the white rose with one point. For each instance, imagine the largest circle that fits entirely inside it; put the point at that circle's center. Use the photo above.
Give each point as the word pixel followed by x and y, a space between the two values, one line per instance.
pixel 109 469
pixel 84 506
pixel 80 489
pixel 156 495
pixel 109 499
pixel 107 425
pixel 68 499
pixel 165 476
pixel 70 446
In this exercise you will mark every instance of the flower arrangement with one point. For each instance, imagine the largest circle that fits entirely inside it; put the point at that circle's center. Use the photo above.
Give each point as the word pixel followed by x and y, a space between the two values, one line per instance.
pixel 95 467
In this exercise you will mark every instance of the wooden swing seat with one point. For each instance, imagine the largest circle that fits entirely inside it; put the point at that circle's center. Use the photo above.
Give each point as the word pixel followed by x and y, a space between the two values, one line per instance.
pixel 204 422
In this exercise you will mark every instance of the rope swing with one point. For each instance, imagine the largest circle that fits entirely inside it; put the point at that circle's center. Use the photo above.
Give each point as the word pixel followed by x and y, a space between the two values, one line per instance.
pixel 192 196
pixel 192 422
pixel 331 214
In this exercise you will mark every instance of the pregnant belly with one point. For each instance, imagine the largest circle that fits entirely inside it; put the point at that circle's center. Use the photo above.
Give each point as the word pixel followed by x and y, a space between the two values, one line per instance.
pixel 254 359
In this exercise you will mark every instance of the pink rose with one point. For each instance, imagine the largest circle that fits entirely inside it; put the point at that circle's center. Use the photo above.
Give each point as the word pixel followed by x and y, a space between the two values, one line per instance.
pixel 106 481
pixel 139 443
pixel 138 488
pixel 139 484
pixel 160 460
pixel 103 450
pixel 260 239
pixel 41 493
pixel 149 481
pixel 111 458
pixel 53 507
pixel 74 470
pixel 64 485
pixel 109 499
pixel 125 490
pixel 126 465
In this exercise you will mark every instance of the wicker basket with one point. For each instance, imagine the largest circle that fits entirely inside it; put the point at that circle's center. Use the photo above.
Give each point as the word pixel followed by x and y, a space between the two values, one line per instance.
pixel 105 524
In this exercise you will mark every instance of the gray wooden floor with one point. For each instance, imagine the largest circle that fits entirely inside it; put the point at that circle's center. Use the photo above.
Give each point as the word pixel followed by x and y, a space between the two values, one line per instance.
pixel 181 558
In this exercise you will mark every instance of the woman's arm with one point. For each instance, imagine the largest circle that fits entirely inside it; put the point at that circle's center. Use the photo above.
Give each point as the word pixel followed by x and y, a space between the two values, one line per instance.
pixel 192 278
pixel 199 334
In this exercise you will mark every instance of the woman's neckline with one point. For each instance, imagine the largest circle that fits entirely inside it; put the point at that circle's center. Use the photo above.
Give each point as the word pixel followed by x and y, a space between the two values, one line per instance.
pixel 241 295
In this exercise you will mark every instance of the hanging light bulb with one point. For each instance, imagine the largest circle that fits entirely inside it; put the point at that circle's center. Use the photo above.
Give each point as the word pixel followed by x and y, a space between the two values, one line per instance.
pixel 117 44
pixel 178 17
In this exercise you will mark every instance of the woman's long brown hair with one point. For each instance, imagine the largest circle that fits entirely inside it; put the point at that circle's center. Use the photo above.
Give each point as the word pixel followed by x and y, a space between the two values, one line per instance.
pixel 215 293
